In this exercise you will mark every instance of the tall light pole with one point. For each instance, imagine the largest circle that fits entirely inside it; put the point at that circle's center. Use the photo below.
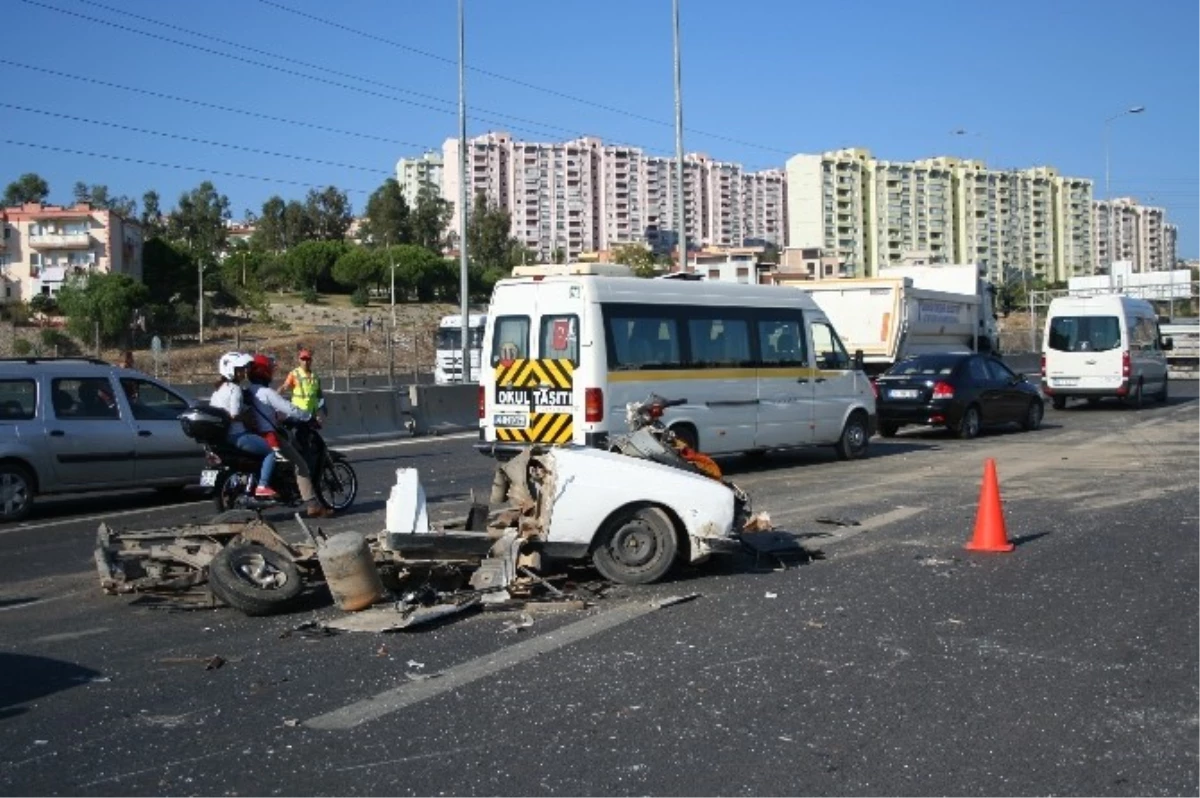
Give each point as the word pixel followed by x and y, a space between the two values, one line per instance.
pixel 387 243
pixel 1137 109
pixel 200 300
pixel 681 206
pixel 462 200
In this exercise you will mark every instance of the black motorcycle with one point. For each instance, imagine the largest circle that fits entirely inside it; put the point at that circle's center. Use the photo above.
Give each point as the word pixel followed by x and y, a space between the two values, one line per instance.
pixel 233 473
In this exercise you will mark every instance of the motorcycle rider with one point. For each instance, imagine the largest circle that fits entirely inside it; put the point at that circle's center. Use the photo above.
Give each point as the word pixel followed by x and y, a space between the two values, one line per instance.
pixel 228 396
pixel 271 408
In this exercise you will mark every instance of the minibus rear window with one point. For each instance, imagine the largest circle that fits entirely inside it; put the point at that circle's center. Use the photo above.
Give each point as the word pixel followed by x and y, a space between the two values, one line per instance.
pixel 560 338
pixel 510 339
pixel 1084 333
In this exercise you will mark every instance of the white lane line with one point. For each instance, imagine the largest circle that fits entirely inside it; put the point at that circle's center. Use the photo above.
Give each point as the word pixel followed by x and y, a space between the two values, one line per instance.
pixel 362 447
pixel 410 693
pixel 99 517
pixel 34 603
pixel 61 636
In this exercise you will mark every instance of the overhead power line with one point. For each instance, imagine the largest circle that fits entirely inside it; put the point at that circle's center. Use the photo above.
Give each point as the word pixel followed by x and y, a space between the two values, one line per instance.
pixel 182 167
pixel 515 81
pixel 214 106
pixel 282 70
pixel 193 139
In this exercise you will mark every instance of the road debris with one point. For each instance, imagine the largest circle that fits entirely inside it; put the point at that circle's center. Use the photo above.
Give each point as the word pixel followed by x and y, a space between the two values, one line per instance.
pixel 837 521
pixel 211 663
pixel 771 595
pixel 671 601
pixel 292 723
pixel 523 622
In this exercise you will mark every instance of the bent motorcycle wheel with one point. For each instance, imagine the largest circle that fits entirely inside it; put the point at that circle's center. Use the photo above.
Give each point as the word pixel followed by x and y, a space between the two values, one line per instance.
pixel 254 579
pixel 637 546
pixel 337 485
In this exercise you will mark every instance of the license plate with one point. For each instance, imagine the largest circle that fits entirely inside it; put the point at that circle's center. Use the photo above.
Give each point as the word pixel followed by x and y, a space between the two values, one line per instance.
pixel 904 393
pixel 511 420
pixel 208 478
pixel 1066 382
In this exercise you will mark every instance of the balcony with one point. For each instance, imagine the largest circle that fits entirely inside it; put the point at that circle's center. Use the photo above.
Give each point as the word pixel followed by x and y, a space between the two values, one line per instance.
pixel 60 241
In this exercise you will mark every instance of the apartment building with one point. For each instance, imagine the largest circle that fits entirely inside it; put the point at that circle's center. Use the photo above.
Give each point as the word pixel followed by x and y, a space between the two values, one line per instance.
pixel 870 213
pixel 413 173
pixel 1126 230
pixel 45 245
pixel 582 195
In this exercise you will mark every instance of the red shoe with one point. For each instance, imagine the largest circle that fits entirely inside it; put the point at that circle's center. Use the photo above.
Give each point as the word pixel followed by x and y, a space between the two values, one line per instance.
pixel 265 493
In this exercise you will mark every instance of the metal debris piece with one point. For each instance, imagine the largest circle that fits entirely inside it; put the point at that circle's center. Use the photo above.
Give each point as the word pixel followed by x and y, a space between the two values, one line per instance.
pixel 308 629
pixel 759 522
pixel 524 622
pixel 837 521
pixel 555 591
pixel 771 595
pixel 393 618
pixel 291 722
pixel 671 601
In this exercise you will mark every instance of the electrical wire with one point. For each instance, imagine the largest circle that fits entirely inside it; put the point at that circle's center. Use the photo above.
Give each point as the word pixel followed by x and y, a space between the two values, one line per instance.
pixel 193 139
pixel 183 167
pixel 516 81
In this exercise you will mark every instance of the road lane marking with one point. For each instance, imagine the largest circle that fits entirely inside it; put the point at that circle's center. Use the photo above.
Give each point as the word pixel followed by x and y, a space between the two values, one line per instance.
pixel 63 636
pixel 100 517
pixel 33 603
pixel 409 693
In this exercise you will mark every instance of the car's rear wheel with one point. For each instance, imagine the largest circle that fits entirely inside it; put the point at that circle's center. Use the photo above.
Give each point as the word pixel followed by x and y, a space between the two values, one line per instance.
pixel 1033 416
pixel 856 437
pixel 16 492
pixel 1163 395
pixel 888 430
pixel 637 546
pixel 1059 402
pixel 968 425
pixel 1138 397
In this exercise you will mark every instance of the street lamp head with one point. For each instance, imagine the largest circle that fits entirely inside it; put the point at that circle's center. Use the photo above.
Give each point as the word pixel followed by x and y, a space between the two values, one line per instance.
pixel 1137 109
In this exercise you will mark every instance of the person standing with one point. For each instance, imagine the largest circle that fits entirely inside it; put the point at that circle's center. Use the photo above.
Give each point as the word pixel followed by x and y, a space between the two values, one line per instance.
pixel 304 384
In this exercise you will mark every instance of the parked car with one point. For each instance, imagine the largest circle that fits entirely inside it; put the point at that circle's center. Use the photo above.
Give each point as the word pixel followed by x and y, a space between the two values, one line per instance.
pixel 75 424
pixel 962 392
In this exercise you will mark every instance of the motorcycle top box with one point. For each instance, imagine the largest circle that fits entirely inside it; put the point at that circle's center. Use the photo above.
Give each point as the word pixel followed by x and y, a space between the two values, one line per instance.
pixel 205 424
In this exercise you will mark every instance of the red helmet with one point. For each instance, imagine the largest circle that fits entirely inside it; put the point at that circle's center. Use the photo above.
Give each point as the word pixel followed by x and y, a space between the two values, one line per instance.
pixel 262 366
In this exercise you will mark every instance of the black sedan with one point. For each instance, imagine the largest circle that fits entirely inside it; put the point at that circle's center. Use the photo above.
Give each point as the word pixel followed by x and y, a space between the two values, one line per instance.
pixel 962 392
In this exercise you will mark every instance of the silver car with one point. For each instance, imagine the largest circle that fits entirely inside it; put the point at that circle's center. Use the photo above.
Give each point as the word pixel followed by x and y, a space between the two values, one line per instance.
pixel 72 425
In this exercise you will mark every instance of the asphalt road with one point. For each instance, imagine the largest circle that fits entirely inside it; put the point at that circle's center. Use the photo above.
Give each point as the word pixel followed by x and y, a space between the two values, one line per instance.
pixel 892 662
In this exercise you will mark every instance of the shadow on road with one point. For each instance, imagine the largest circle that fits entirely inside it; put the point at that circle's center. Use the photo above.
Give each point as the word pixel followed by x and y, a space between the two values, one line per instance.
pixel 24 678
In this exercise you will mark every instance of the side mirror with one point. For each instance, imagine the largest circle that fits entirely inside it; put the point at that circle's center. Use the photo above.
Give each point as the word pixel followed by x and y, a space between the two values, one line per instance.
pixel 1019 378
pixel 858 360
pixel 1168 344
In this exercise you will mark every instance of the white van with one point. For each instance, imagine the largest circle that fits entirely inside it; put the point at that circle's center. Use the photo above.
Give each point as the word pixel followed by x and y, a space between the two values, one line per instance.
pixel 761 367
pixel 1098 346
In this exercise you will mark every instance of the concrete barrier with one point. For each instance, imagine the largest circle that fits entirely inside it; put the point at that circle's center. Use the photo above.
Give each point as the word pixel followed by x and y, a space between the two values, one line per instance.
pixel 444 408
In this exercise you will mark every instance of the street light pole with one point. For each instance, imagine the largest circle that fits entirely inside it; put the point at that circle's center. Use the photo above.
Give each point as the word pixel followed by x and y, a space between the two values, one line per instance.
pixel 1137 109
pixel 200 301
pixel 462 201
pixel 681 204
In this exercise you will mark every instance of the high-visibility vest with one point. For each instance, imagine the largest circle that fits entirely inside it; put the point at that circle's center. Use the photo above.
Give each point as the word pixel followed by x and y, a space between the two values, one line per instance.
pixel 307 393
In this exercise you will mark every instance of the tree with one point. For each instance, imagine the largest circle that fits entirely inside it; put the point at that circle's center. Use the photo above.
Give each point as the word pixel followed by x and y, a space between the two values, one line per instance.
pixel 310 263
pixel 29 187
pixel 268 233
pixel 169 271
pixel 105 299
pixel 429 218
pixel 359 267
pixel 419 269
pixel 488 241
pixel 152 218
pixel 199 220
pixel 297 224
pixel 329 212
pixel 387 215
pixel 638 257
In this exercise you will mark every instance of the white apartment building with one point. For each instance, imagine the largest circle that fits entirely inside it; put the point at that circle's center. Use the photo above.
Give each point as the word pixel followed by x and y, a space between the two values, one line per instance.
pixel 583 195
pixel 43 246
pixel 869 213
pixel 413 173
pixel 1140 234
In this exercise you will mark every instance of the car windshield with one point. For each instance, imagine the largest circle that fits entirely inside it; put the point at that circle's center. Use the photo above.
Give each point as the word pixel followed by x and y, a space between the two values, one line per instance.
pixel 925 366
pixel 1084 333
pixel 451 337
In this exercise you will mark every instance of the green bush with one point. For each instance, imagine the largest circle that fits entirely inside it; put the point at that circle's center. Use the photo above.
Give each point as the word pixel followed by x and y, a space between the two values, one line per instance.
pixel 50 337
pixel 360 298
pixel 21 347
pixel 309 296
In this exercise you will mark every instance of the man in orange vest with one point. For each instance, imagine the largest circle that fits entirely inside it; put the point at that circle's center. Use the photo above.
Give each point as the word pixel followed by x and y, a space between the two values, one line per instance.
pixel 304 384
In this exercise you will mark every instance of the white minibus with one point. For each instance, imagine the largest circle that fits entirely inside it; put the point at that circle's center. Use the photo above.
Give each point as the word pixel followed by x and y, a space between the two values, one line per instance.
pixel 761 367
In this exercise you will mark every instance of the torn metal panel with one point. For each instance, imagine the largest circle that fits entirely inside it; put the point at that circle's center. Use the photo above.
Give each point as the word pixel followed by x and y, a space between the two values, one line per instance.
pixel 397 617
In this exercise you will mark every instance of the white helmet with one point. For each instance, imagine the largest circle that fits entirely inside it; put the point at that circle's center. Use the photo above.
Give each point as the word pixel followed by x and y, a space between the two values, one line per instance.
pixel 230 362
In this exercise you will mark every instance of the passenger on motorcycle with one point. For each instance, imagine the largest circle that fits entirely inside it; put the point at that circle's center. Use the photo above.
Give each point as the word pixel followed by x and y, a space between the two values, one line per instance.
pixel 270 409
pixel 228 396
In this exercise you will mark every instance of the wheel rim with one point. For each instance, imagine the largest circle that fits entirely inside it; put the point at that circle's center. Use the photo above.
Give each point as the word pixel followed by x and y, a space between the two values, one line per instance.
pixel 634 545
pixel 14 494
pixel 338 485
pixel 254 569
pixel 856 436
pixel 971 422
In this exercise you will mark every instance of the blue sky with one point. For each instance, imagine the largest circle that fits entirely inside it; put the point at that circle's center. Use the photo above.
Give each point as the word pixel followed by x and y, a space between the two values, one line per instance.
pixel 1031 81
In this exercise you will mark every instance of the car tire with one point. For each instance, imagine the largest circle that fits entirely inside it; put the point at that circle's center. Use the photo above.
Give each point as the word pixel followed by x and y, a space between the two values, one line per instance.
pixel 1093 401
pixel 1164 395
pixel 16 492
pixel 888 430
pixel 856 437
pixel 1033 416
pixel 1058 402
pixel 637 546
pixel 1137 399
pixel 969 425
pixel 254 579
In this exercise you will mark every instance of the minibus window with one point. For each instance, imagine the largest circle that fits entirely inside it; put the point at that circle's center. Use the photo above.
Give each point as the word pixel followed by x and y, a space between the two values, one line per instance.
pixel 719 342
pixel 644 342
pixel 560 338
pixel 781 343
pixel 828 348
pixel 510 339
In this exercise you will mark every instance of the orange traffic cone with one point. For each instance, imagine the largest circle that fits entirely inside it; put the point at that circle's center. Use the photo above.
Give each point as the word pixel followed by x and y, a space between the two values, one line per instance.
pixel 990 531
